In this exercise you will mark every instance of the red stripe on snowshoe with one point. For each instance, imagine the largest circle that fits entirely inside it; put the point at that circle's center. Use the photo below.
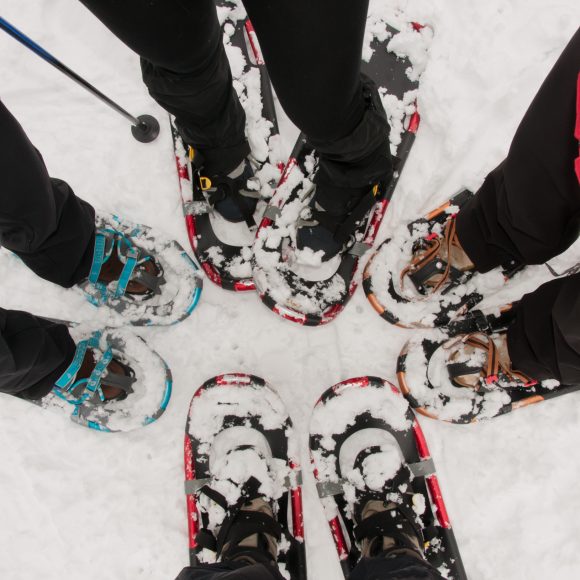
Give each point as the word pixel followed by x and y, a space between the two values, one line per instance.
pixel 211 273
pixel 332 312
pixel 192 515
pixel 181 169
pixel 432 481
pixel 287 169
pixel 577 129
pixel 244 285
pixel 252 38
pixel 297 514
pixel 420 441
pixel 338 537
pixel 266 222
pixel 300 319
pixel 191 232
pixel 360 382
pixel 414 122
pixel 435 491
pixel 232 380
pixel 375 221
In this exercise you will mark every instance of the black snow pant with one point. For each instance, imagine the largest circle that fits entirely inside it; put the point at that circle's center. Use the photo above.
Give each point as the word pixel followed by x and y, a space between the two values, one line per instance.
pixel 313 54
pixel 52 231
pixel 528 211
pixel 393 568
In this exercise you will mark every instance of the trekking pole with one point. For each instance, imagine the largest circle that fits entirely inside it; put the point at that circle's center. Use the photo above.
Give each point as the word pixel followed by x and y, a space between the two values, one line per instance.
pixel 145 128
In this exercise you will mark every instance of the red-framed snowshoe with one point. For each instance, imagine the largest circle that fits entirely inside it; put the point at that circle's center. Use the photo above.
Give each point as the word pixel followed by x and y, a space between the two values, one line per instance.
pixel 316 295
pixel 240 413
pixel 226 261
pixel 426 376
pixel 363 416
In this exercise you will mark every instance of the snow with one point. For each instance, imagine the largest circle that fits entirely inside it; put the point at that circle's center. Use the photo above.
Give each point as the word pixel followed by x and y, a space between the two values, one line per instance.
pixel 81 504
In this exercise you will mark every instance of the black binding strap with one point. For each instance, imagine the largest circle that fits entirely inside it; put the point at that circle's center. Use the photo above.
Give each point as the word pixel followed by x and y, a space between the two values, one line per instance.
pixel 397 523
pixel 460 369
pixel 224 186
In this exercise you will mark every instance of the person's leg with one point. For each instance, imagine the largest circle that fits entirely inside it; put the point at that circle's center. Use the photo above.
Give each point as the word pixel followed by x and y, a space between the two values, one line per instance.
pixel 41 219
pixel 394 567
pixel 544 340
pixel 313 52
pixel 528 209
pixel 34 353
pixel 186 71
pixel 230 571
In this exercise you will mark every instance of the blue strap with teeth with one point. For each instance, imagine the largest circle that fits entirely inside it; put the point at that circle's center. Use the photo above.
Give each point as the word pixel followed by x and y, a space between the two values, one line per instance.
pixel 130 257
pixel 77 392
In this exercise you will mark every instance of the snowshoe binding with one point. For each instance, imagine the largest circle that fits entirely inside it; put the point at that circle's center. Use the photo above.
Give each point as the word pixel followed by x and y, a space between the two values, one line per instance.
pixel 114 383
pixel 465 376
pixel 421 277
pixel 376 479
pixel 300 228
pixel 156 282
pixel 222 211
pixel 243 484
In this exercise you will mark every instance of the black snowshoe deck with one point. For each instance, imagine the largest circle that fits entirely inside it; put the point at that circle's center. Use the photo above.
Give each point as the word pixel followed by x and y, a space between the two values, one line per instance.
pixel 204 241
pixel 475 321
pixel 441 548
pixel 197 468
pixel 389 73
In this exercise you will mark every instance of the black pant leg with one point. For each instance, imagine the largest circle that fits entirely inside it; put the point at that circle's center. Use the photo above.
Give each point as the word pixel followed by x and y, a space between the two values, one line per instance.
pixel 34 353
pixel 544 340
pixel 394 568
pixel 185 69
pixel 313 51
pixel 230 571
pixel 528 209
pixel 41 219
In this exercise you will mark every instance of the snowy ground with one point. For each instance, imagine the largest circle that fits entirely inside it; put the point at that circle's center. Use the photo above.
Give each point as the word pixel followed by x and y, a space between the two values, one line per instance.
pixel 79 504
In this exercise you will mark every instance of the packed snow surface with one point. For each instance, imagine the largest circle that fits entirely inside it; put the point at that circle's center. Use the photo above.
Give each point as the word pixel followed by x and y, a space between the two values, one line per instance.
pixel 80 504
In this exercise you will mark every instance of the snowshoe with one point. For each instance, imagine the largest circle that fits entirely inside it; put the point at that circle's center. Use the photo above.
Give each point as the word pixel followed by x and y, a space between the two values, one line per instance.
pixel 461 377
pixel 128 386
pixel 158 284
pixel 367 446
pixel 420 278
pixel 242 477
pixel 223 248
pixel 294 283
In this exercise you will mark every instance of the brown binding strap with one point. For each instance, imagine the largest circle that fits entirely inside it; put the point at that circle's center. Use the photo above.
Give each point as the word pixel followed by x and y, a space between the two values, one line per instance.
pixel 494 367
pixel 433 252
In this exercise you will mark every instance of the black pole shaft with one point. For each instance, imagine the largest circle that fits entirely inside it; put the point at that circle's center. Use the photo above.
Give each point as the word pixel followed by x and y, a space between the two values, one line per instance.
pixel 29 43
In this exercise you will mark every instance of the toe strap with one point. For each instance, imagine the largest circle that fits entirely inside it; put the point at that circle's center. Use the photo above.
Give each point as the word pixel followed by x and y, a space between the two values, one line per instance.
pixel 246 523
pixel 397 523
